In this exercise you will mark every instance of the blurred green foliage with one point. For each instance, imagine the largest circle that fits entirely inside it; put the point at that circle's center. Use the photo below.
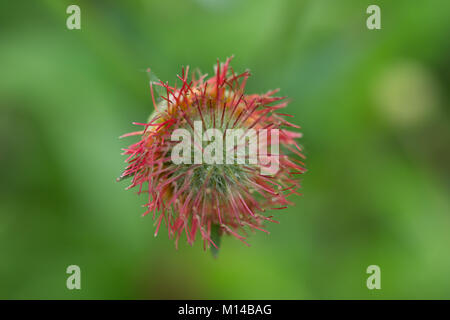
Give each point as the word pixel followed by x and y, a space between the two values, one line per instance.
pixel 373 106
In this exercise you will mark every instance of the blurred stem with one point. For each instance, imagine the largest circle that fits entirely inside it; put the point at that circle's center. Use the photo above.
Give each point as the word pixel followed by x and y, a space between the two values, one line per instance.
pixel 216 237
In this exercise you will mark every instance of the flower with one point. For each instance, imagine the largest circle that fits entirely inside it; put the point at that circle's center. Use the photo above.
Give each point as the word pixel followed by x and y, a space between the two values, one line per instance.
pixel 214 198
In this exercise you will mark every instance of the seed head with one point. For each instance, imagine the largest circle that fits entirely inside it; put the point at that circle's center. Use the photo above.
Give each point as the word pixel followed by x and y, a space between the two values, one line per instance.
pixel 209 199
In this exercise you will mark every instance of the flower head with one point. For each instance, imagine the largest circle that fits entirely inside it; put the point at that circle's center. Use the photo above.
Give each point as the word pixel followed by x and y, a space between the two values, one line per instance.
pixel 208 184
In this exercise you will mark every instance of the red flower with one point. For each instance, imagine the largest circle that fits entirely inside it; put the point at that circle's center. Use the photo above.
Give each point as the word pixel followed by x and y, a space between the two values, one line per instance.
pixel 212 199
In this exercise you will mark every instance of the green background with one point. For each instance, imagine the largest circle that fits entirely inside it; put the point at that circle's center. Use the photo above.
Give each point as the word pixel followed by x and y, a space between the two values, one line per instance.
pixel 373 106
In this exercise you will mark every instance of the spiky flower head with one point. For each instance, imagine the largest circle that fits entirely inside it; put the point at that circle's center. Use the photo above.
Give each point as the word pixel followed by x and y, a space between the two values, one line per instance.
pixel 209 199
